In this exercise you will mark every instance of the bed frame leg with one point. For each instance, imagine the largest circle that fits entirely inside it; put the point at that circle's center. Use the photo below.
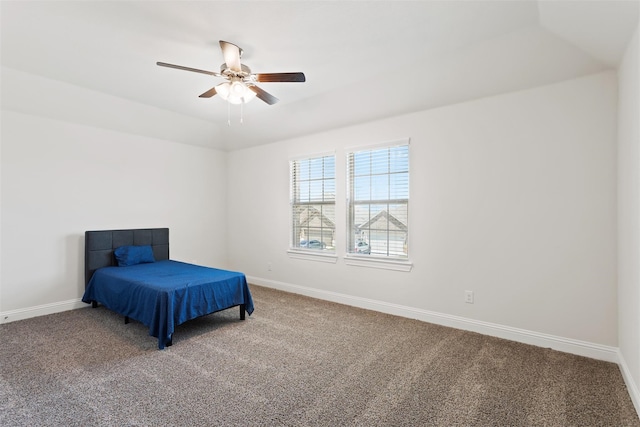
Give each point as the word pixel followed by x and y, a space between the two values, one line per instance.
pixel 94 304
pixel 243 309
pixel 126 320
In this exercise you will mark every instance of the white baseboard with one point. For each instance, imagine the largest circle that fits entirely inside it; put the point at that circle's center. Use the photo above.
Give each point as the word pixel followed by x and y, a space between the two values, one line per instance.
pixel 40 310
pixel 567 345
pixel 632 387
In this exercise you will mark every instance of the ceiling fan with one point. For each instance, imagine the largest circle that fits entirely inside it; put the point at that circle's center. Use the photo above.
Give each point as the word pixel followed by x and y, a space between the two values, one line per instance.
pixel 240 85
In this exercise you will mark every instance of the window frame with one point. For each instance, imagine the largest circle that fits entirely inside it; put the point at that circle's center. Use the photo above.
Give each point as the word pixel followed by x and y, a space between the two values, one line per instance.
pixel 315 254
pixel 390 262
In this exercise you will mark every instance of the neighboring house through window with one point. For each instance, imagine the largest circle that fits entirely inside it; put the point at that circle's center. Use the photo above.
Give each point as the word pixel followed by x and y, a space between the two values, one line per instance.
pixel 313 196
pixel 378 200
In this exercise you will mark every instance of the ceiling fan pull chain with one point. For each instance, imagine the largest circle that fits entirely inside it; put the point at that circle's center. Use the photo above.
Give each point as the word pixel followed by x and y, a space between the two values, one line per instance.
pixel 241 111
pixel 228 113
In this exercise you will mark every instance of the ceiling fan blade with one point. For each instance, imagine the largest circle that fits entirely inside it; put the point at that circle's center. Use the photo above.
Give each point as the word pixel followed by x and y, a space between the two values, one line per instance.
pixel 209 93
pixel 195 70
pixel 280 77
pixel 265 96
pixel 231 54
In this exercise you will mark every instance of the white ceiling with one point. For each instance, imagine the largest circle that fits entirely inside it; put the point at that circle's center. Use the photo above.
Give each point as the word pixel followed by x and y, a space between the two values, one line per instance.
pixel 363 59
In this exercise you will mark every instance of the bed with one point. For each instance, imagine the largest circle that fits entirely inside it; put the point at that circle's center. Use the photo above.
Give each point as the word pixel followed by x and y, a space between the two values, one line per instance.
pixel 144 284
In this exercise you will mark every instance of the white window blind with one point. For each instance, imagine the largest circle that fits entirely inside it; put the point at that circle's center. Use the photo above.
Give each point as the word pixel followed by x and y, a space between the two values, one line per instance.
pixel 378 201
pixel 313 199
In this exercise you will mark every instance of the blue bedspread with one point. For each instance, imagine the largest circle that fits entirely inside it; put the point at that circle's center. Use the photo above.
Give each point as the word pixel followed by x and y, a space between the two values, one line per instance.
pixel 167 293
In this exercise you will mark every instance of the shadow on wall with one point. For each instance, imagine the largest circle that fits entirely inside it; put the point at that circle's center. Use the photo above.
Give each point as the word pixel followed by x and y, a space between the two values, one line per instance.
pixel 74 262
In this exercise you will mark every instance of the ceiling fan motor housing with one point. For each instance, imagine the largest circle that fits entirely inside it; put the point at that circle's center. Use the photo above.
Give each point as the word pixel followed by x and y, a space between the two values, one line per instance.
pixel 227 72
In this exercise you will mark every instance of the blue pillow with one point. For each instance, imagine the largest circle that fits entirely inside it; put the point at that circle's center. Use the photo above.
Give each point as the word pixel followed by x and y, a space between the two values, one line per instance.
pixel 132 255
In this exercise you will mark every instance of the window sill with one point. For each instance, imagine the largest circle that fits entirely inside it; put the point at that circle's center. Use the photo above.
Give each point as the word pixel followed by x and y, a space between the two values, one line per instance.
pixel 312 255
pixel 386 264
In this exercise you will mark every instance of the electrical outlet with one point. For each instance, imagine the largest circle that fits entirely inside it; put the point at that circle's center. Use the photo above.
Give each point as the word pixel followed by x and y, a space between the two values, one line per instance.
pixel 269 266
pixel 468 297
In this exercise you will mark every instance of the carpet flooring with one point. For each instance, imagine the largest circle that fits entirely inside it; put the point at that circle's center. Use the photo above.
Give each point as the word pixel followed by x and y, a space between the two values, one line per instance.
pixel 296 361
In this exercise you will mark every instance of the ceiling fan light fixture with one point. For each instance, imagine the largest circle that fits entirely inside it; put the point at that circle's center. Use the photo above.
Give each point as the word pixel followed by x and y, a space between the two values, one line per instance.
pixel 235 92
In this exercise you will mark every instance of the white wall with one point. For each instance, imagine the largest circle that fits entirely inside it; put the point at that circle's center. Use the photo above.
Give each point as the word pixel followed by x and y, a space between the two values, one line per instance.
pixel 629 216
pixel 513 197
pixel 61 178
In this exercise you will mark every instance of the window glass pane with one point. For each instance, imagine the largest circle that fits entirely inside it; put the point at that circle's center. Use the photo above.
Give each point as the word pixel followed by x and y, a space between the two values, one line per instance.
pixel 303 170
pixel 360 242
pixel 303 192
pixel 376 210
pixel 380 161
pixel 315 191
pixel 361 215
pixel 380 221
pixel 362 163
pixel 399 185
pixel 399 159
pixel 328 226
pixel 329 189
pixel 362 188
pixel 398 214
pixel 329 166
pixel 316 168
pixel 397 243
pixel 380 187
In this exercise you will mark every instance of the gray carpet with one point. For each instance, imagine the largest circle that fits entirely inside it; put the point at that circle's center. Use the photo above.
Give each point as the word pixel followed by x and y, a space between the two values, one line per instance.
pixel 296 361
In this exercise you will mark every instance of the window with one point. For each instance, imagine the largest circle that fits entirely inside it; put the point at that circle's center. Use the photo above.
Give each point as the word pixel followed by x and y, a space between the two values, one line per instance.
pixel 378 201
pixel 313 199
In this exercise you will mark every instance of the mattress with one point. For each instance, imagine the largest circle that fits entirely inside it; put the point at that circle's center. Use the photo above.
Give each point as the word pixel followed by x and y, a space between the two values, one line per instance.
pixel 164 294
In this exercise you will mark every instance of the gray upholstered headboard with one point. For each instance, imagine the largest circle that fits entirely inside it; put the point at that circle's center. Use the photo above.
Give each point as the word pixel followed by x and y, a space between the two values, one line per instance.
pixel 99 246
